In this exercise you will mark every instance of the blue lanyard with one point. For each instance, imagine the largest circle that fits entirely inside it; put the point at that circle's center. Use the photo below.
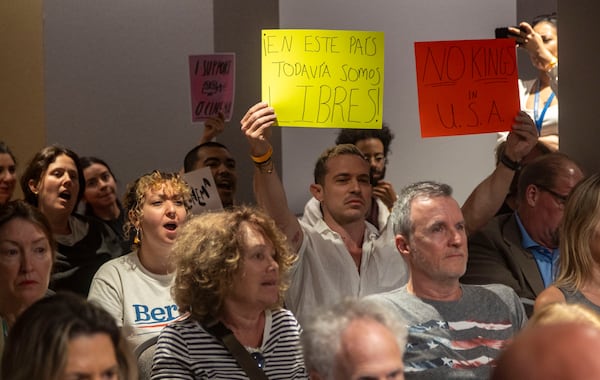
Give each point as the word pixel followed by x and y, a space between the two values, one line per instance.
pixel 540 120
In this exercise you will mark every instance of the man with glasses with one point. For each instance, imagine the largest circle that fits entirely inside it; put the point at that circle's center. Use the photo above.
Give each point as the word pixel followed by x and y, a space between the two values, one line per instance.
pixel 521 249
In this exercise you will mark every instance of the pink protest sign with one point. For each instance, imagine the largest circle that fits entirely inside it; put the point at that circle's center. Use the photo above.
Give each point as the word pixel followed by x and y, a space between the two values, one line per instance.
pixel 466 87
pixel 212 83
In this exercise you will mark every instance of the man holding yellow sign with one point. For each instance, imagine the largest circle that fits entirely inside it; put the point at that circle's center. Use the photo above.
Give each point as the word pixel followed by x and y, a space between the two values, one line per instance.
pixel 342 255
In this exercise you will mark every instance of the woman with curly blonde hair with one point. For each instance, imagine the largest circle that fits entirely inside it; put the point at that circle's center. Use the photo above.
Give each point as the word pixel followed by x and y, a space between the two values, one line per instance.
pixel 578 279
pixel 136 288
pixel 231 271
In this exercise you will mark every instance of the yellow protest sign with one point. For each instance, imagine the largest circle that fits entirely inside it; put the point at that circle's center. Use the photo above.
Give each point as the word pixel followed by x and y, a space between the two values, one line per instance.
pixel 324 78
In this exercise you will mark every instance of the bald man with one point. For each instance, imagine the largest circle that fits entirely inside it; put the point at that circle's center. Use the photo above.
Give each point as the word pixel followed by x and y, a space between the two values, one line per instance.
pixel 354 340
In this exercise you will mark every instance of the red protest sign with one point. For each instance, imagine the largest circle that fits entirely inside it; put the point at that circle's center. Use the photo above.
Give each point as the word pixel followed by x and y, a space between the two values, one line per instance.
pixel 466 87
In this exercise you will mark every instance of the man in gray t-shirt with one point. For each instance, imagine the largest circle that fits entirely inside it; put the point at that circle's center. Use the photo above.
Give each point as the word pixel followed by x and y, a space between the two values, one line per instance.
pixel 455 331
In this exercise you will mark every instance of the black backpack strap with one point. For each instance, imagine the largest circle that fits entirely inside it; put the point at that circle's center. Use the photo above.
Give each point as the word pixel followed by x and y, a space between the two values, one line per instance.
pixel 217 329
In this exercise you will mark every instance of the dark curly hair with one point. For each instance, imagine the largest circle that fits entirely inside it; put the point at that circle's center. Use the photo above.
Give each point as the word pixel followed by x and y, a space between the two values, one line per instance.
pixel 351 136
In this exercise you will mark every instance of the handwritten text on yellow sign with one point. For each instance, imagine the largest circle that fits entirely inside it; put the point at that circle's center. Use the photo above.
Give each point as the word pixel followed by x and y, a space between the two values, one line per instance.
pixel 324 78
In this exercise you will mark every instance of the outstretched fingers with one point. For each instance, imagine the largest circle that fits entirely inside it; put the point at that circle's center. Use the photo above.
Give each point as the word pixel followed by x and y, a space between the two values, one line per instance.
pixel 257 120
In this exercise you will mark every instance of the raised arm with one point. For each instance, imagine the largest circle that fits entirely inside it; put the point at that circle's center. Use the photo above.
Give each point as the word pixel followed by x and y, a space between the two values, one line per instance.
pixel 487 197
pixel 541 58
pixel 212 128
pixel 268 189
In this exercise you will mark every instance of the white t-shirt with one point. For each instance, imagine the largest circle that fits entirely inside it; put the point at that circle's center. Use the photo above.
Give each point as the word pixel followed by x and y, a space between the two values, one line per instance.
pixel 140 301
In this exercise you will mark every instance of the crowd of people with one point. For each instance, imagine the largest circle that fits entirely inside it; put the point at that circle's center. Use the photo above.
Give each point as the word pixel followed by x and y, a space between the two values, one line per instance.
pixel 372 282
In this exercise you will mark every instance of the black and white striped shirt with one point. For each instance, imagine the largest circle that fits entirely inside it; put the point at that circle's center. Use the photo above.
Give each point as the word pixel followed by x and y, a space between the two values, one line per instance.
pixel 186 351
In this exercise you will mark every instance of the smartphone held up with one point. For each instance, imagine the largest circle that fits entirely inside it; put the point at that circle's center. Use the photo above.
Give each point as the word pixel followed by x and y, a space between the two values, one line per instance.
pixel 505 32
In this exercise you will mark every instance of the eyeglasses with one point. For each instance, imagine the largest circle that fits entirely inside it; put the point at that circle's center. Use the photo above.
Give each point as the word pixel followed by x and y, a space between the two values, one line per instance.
pixel 561 199
pixel 260 360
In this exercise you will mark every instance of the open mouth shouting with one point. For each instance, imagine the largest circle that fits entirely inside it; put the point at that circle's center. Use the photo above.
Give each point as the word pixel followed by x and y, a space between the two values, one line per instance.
pixel 170 226
pixel 66 195
pixel 170 229
pixel 224 184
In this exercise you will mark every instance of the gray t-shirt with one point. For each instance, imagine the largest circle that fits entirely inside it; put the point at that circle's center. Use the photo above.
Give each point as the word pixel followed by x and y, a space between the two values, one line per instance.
pixel 457 339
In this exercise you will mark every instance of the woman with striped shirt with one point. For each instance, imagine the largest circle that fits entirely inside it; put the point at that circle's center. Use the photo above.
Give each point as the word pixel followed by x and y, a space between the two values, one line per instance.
pixel 231 268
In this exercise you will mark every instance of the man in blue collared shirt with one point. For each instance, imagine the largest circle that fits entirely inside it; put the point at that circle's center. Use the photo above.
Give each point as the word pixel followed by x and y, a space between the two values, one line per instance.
pixel 546 258
pixel 521 249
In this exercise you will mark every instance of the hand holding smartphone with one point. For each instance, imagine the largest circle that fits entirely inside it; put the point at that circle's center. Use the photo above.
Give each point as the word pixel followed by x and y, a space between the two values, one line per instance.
pixel 507 32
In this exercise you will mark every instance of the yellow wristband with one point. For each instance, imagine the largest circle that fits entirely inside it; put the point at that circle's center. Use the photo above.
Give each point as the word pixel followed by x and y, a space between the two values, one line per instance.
pixel 264 158
pixel 552 64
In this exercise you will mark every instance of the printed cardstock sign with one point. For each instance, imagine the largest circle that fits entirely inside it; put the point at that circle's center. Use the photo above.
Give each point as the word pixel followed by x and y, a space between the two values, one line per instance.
pixel 212 82
pixel 324 78
pixel 205 196
pixel 466 87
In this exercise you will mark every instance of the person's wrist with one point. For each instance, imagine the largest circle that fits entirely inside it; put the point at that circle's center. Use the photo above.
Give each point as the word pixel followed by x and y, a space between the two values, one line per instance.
pixel 511 164
pixel 265 167
pixel 552 64
pixel 262 158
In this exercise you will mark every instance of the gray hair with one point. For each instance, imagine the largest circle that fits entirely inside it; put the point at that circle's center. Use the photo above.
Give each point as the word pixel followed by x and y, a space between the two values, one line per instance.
pixel 321 336
pixel 400 216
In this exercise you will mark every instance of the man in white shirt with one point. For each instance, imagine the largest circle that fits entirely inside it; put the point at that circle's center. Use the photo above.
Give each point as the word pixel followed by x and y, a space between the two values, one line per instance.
pixel 342 255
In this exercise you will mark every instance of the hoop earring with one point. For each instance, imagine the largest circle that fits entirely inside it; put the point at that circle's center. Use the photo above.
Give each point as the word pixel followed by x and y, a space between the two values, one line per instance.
pixel 136 239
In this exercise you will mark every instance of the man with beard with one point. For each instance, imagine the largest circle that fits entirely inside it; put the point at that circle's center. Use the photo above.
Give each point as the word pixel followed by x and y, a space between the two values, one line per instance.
pixel 374 144
pixel 521 249
pixel 222 166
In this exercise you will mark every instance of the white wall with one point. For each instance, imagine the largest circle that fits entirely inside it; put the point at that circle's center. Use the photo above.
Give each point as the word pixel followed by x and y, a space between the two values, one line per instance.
pixel 116 79
pixel 460 161
pixel 117 85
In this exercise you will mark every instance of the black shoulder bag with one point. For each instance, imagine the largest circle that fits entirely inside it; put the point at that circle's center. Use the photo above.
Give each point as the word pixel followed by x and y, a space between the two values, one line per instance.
pixel 217 329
